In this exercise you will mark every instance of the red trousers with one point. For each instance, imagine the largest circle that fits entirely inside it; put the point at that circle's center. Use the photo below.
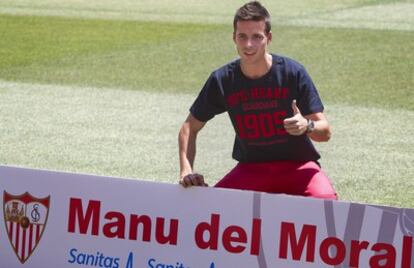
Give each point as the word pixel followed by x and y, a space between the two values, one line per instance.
pixel 287 177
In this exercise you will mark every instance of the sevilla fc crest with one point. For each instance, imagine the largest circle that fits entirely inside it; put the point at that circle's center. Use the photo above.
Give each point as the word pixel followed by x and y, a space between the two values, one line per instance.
pixel 25 218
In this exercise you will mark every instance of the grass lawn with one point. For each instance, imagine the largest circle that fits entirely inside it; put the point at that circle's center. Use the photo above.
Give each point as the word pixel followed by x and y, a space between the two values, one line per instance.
pixel 97 88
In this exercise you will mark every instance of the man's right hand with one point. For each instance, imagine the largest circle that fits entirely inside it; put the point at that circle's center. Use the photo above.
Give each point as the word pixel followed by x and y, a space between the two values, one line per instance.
pixel 193 179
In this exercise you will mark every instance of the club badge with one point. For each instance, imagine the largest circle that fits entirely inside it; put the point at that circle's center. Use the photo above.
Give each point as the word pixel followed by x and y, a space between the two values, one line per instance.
pixel 25 218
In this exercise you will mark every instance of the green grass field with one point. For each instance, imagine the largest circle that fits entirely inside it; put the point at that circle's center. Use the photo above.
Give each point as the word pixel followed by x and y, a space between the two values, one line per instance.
pixel 102 87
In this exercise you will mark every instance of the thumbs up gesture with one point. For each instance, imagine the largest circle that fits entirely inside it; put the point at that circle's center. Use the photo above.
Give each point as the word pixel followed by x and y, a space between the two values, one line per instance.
pixel 297 124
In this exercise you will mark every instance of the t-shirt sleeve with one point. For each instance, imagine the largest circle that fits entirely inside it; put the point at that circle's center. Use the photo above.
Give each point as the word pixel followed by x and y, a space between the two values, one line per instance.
pixel 309 101
pixel 209 102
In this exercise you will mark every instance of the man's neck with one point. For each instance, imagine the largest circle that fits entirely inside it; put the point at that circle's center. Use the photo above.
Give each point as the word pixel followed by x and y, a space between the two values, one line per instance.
pixel 257 69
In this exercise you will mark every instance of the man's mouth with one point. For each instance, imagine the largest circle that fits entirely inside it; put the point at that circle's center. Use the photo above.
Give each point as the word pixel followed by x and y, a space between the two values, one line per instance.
pixel 249 53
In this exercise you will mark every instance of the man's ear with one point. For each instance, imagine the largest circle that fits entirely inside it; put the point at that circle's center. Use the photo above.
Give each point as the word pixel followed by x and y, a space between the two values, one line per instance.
pixel 269 37
pixel 234 37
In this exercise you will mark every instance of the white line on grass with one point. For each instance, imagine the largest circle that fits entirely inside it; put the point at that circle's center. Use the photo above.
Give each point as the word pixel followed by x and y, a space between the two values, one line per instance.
pixel 392 16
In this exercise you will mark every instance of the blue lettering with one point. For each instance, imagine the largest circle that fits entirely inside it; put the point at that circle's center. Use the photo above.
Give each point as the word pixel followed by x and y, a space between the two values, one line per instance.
pixel 72 253
pixel 150 262
pixel 153 263
pixel 90 258
pixel 108 262
pixel 101 257
pixel 130 260
pixel 81 258
pixel 98 260
pixel 116 263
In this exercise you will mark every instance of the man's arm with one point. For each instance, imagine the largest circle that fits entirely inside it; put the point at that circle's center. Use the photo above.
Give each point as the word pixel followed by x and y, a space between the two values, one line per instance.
pixel 187 138
pixel 298 125
pixel 322 130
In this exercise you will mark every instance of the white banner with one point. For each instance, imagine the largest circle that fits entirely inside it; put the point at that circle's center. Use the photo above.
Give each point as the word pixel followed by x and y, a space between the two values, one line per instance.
pixel 54 219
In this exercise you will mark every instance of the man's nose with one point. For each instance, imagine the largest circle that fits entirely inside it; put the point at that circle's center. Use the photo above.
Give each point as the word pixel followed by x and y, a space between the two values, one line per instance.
pixel 249 42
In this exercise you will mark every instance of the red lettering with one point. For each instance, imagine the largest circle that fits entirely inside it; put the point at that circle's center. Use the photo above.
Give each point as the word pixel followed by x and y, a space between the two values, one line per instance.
pixel 406 252
pixel 269 93
pixel 356 247
pixel 266 125
pixel 76 215
pixel 118 225
pixel 386 260
pixel 115 227
pixel 234 238
pixel 279 117
pixel 237 97
pixel 276 93
pixel 171 237
pixel 340 251
pixel 145 221
pixel 333 251
pixel 288 235
pixel 256 94
pixel 240 127
pixel 250 123
pixel 212 229
pixel 232 100
pixel 240 236
pixel 256 233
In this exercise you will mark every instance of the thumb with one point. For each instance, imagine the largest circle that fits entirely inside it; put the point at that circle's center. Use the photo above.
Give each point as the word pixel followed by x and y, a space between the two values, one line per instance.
pixel 295 108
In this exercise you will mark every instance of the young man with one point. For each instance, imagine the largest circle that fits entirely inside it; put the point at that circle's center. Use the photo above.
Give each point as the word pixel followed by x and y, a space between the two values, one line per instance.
pixel 275 110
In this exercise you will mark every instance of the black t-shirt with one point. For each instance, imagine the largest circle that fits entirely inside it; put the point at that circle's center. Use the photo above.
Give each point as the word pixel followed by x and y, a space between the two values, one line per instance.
pixel 257 108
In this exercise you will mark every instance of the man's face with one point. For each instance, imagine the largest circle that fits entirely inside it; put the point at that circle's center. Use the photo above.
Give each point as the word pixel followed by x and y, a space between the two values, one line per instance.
pixel 251 40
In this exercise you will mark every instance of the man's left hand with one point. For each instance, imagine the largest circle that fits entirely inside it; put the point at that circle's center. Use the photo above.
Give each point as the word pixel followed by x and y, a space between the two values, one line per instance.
pixel 297 124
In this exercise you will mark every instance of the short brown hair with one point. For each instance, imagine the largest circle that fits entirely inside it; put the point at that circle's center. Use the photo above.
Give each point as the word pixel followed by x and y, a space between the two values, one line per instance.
pixel 255 11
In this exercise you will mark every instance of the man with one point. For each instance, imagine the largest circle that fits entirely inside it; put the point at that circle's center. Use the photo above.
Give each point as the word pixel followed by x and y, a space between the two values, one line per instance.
pixel 275 110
